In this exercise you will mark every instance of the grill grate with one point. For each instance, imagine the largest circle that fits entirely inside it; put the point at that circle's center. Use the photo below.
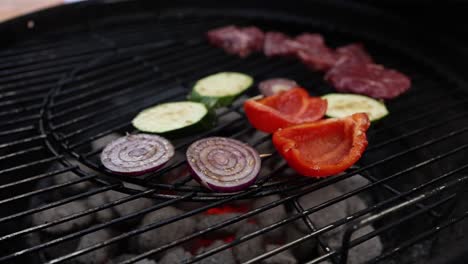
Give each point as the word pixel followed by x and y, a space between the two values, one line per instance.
pixel 63 95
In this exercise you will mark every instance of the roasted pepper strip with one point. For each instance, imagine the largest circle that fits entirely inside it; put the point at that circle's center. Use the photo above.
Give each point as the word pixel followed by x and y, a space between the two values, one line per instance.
pixel 325 147
pixel 284 109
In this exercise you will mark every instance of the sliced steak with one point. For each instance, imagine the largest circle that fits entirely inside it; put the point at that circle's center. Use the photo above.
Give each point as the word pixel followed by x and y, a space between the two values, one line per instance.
pixel 309 48
pixel 368 79
pixel 256 37
pixel 314 53
pixel 310 40
pixel 239 41
pixel 354 53
pixel 278 44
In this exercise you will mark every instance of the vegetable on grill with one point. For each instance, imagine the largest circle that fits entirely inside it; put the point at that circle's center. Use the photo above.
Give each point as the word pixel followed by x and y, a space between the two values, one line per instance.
pixel 284 109
pixel 325 147
pixel 137 154
pixel 220 89
pixel 342 105
pixel 273 86
pixel 223 164
pixel 175 118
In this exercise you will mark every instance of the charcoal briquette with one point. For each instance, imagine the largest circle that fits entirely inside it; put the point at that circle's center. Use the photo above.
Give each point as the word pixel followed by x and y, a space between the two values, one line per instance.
pixel 175 256
pixel 61 211
pixel 250 248
pixel 284 257
pixel 96 256
pixel 225 256
pixel 166 233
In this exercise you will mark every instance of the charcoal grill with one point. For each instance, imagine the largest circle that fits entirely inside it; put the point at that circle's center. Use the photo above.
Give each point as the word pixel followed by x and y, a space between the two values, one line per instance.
pixel 66 88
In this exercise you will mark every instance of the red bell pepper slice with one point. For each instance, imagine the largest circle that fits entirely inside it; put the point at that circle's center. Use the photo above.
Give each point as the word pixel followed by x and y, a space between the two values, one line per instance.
pixel 325 147
pixel 284 109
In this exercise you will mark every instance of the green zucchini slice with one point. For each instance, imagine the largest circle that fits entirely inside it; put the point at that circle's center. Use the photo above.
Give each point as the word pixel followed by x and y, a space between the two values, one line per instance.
pixel 175 118
pixel 341 105
pixel 220 89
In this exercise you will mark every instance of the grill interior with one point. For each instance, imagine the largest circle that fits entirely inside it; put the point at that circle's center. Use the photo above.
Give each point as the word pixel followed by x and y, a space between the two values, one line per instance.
pixel 64 95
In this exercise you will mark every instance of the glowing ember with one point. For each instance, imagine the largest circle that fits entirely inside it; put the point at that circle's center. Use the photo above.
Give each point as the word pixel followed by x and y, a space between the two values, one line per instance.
pixel 228 209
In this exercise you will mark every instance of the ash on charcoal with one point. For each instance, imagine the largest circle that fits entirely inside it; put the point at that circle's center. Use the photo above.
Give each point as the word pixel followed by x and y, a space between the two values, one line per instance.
pixel 351 183
pixel 359 254
pixel 130 206
pixel 306 250
pixel 175 256
pixel 250 248
pixel 119 210
pixel 329 215
pixel 125 257
pixel 71 176
pixel 454 238
pixel 284 257
pixel 354 182
pixel 60 212
pixel 225 256
pixel 58 179
pixel 61 249
pixel 98 200
pixel 363 252
pixel 326 215
pixel 74 188
pixel 34 239
pixel 51 197
pixel 332 212
pixel 99 255
pixel 270 216
pixel 207 220
pixel 419 254
pixel 166 233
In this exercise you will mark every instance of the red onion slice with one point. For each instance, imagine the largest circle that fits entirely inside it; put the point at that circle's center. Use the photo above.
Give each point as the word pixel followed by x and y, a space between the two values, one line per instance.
pixel 223 164
pixel 273 86
pixel 137 154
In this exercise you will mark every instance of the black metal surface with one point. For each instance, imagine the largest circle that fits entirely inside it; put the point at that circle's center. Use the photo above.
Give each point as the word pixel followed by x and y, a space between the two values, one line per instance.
pixel 64 88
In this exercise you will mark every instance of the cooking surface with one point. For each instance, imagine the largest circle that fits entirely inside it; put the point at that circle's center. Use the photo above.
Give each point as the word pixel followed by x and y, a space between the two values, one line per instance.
pixel 144 74
pixel 65 95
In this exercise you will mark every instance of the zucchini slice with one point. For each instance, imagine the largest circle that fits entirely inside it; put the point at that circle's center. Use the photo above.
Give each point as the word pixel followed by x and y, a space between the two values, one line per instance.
pixel 177 118
pixel 220 89
pixel 341 105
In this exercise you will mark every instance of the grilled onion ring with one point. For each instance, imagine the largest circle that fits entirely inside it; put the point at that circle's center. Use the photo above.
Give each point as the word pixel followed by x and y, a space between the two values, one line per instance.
pixel 137 154
pixel 223 164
